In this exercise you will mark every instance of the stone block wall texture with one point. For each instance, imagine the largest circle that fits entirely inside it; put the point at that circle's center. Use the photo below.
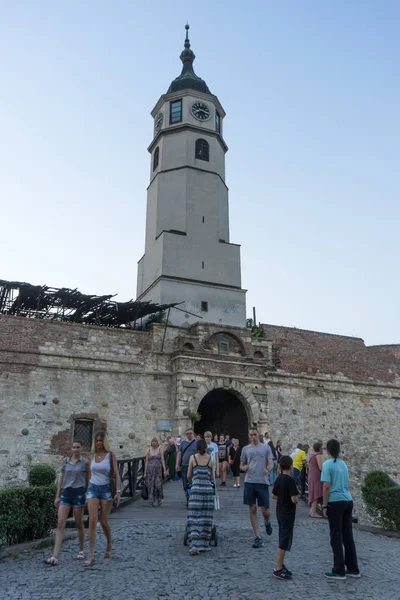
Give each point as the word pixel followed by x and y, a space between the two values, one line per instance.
pixel 301 386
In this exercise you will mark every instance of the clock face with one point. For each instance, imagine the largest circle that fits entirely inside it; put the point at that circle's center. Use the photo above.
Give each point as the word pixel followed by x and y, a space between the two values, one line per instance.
pixel 158 122
pixel 200 111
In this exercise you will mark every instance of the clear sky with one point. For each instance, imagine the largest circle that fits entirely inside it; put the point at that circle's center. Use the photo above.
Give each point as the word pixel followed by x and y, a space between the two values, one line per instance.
pixel 312 95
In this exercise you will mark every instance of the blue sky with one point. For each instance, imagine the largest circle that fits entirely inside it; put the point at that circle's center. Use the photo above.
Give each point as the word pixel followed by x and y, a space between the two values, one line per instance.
pixel 312 95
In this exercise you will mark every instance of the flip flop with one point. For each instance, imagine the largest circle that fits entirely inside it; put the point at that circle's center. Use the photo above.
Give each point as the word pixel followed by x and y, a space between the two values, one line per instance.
pixel 316 517
pixel 89 561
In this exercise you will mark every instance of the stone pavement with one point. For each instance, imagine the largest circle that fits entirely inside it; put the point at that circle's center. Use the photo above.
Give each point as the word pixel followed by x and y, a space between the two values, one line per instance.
pixel 150 561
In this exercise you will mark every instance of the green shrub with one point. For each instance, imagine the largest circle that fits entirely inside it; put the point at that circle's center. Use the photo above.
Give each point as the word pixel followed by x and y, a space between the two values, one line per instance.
pixel 42 475
pixel 26 513
pixel 381 496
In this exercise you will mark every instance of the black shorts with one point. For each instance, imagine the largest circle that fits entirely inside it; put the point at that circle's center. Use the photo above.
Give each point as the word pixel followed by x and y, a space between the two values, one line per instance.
pixel 235 471
pixel 256 493
pixel 286 526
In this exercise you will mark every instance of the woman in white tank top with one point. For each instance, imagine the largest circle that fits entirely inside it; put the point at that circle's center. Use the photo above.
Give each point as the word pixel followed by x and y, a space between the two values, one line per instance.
pixel 103 465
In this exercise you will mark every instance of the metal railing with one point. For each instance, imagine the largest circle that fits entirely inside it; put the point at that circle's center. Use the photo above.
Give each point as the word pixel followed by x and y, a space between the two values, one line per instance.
pixel 131 472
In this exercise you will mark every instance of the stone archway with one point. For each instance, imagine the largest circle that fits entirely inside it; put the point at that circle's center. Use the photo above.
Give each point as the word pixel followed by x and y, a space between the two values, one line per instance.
pixel 189 401
pixel 223 412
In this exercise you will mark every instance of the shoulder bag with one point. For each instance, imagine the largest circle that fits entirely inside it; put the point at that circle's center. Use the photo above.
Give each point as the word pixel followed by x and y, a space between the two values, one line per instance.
pixel 188 446
pixel 113 476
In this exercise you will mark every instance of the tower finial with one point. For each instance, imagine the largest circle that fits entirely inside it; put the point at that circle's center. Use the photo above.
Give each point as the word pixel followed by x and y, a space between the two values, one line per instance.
pixel 187 43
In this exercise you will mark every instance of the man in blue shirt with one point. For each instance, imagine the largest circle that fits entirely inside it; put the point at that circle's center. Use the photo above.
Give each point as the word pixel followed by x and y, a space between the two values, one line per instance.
pixel 338 508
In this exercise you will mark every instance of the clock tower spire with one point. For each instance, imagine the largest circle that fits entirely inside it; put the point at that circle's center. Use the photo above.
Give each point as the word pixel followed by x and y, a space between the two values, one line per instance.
pixel 188 255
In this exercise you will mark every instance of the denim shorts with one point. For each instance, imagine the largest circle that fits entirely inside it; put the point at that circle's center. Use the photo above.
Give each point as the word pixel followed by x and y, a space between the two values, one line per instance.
pixel 74 497
pixel 101 492
pixel 256 493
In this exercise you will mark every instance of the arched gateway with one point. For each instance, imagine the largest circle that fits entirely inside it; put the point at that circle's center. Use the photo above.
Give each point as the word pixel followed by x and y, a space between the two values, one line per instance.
pixel 223 412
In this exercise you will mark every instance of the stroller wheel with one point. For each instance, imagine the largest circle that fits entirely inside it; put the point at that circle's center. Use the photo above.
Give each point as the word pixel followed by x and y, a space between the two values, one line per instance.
pixel 214 536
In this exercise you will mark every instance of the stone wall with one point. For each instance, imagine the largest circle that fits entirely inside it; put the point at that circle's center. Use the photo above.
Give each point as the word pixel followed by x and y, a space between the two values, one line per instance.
pixel 362 417
pixel 301 386
pixel 52 373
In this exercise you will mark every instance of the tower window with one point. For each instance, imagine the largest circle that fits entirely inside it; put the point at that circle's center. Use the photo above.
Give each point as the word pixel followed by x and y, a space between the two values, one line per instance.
pixel 204 306
pixel 202 150
pixel 223 348
pixel 217 122
pixel 203 219
pixel 202 264
pixel 156 158
pixel 175 111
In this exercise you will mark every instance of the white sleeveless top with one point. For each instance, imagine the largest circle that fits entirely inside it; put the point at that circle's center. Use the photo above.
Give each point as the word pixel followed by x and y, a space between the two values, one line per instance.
pixel 101 471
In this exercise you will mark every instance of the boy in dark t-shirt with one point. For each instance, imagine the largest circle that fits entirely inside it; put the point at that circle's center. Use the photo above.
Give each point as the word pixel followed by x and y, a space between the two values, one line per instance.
pixel 286 494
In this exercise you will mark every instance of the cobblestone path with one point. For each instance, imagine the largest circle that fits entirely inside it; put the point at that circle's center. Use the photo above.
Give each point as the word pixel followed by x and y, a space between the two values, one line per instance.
pixel 150 561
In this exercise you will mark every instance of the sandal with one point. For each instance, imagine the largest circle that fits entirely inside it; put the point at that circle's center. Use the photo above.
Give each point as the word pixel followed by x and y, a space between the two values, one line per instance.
pixel 194 553
pixel 80 555
pixel 52 562
pixel 160 503
pixel 89 561
pixel 107 553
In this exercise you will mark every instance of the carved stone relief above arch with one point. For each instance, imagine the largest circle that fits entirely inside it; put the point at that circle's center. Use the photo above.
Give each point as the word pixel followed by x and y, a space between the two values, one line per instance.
pixel 190 397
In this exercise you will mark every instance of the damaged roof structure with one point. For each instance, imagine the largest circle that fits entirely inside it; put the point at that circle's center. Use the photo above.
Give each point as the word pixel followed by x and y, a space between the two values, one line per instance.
pixel 64 304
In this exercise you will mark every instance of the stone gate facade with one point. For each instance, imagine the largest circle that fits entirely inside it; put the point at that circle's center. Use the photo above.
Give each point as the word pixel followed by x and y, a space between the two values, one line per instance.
pixel 57 378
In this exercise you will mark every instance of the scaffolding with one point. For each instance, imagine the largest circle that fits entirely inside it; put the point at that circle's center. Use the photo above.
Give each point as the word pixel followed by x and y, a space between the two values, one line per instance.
pixel 72 306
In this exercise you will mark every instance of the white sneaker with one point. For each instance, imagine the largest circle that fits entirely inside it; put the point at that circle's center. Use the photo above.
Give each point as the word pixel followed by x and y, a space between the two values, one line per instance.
pixel 234 485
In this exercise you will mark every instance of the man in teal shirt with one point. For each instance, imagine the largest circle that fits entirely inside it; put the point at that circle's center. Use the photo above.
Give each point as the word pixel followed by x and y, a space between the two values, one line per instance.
pixel 338 508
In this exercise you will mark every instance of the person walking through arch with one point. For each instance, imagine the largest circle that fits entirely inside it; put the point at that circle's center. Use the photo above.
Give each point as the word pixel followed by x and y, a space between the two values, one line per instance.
pixel 234 462
pixel 186 450
pixel 74 479
pixel 257 462
pixel 103 467
pixel 170 456
pixel 338 508
pixel 154 471
pixel 223 458
pixel 212 450
pixel 201 500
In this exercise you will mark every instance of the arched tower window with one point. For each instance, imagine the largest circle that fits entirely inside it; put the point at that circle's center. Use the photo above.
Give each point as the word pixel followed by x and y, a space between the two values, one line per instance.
pixel 202 150
pixel 156 158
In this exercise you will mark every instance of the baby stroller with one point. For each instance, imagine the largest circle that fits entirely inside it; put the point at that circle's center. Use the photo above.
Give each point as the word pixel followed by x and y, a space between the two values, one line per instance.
pixel 214 532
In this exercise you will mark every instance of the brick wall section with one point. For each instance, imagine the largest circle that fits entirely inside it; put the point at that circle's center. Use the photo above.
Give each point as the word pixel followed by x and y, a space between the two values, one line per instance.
pixel 311 352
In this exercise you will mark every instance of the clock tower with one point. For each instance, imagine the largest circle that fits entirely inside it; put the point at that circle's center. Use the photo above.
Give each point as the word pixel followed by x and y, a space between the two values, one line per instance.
pixel 189 258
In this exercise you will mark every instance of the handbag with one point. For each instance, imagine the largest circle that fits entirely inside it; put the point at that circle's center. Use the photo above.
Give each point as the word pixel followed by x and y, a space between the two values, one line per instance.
pixel 145 492
pixel 113 478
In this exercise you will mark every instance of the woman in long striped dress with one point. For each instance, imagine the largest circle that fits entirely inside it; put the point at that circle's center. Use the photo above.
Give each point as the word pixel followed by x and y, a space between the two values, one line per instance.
pixel 201 499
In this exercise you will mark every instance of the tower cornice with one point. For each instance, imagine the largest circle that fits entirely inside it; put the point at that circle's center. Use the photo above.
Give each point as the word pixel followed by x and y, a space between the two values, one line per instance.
pixel 187 127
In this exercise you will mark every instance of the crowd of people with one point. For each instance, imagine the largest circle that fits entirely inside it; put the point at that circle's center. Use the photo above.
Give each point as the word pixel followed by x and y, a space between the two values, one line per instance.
pixel 199 461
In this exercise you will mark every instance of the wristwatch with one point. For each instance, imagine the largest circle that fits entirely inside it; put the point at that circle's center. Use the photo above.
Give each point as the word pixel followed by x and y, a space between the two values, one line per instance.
pixel 324 507
pixel 117 491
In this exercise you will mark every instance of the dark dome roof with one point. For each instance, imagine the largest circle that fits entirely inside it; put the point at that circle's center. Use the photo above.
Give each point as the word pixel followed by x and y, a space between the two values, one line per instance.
pixel 188 80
